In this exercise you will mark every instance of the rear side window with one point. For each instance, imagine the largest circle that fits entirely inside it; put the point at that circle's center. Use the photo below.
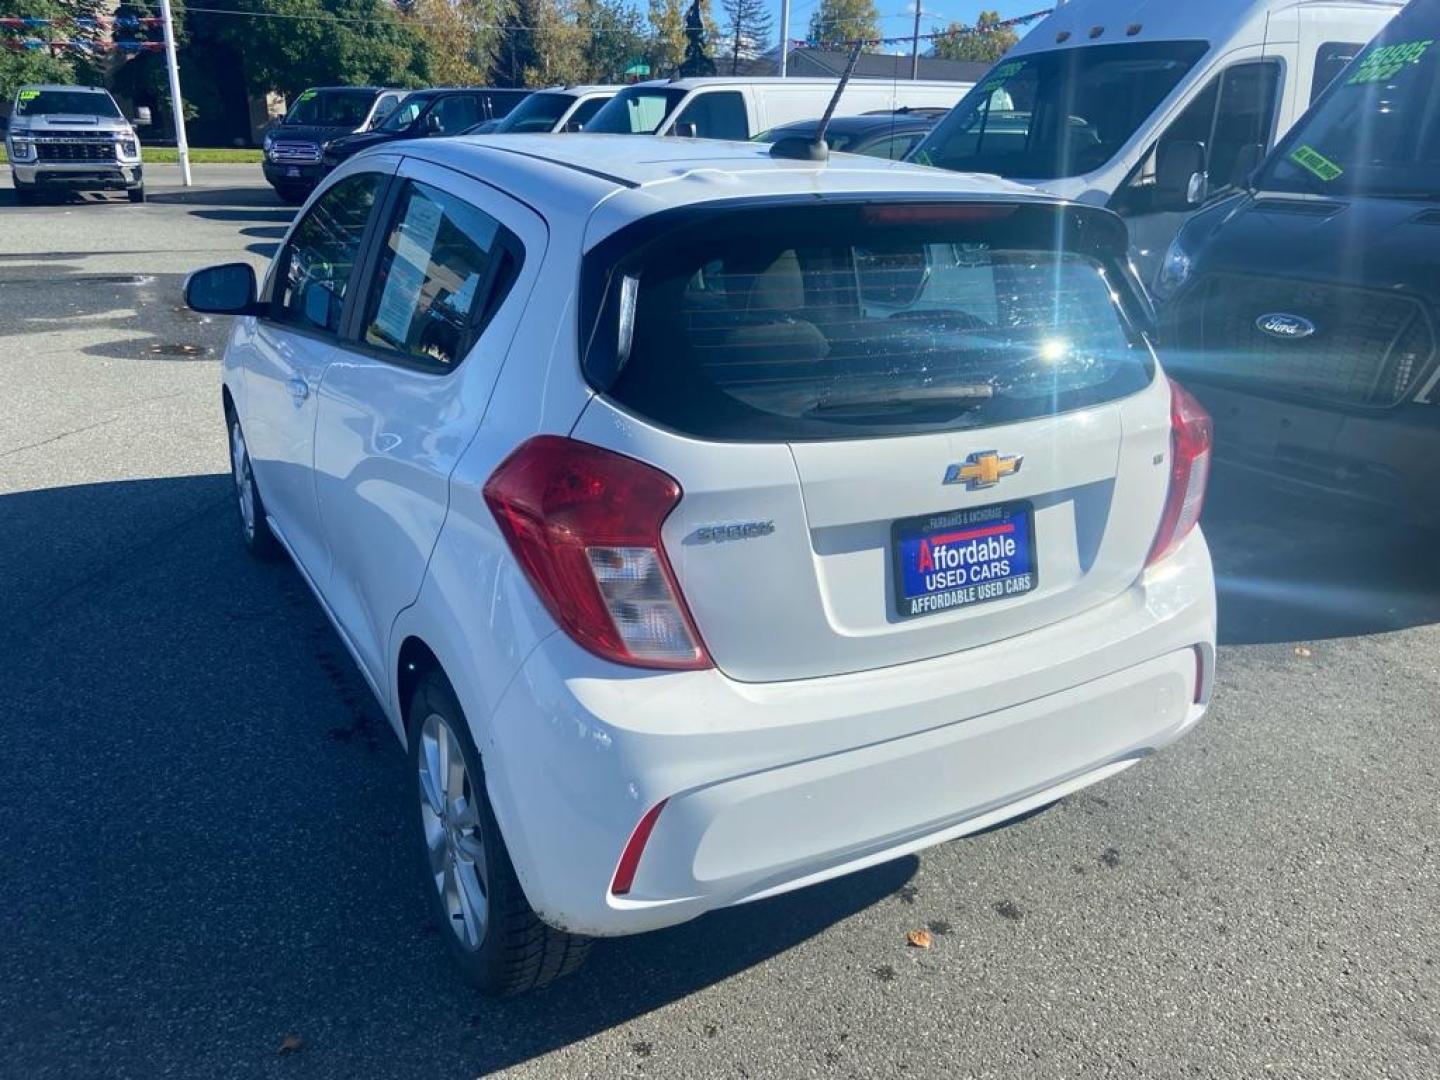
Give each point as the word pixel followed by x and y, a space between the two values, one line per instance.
pixel 444 269
pixel 760 327
pixel 315 267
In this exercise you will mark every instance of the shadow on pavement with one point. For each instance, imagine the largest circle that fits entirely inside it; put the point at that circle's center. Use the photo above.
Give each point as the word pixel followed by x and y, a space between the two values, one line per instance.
pixel 1289 568
pixel 208 843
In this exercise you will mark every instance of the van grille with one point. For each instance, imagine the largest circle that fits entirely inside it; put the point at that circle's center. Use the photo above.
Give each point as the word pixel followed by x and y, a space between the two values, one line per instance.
pixel 1367 349
pixel 75 148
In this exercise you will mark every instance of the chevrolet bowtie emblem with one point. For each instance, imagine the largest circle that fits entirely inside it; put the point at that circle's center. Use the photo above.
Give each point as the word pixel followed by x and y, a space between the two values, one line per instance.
pixel 983 470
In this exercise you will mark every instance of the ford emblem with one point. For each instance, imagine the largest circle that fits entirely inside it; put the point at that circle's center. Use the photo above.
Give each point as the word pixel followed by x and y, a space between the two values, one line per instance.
pixel 1280 325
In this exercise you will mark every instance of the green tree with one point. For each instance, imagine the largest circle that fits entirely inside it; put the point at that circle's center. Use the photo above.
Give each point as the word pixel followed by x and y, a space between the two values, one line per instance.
pixel 993 42
pixel 462 37
pixel 698 61
pixel 612 38
pixel 42 65
pixel 845 20
pixel 747 30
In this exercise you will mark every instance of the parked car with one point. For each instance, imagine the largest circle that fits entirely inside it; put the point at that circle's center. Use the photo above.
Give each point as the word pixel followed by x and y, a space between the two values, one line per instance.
pixel 1305 310
pixel 292 148
pixel 890 134
pixel 737 108
pixel 555 108
pixel 71 138
pixel 446 110
pixel 1152 109
pixel 708 525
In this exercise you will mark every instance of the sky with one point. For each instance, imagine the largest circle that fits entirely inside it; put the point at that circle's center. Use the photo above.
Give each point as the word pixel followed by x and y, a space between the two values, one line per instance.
pixel 897 17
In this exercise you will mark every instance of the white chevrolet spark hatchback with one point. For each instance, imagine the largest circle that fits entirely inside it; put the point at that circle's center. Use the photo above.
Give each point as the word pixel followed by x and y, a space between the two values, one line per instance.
pixel 709 525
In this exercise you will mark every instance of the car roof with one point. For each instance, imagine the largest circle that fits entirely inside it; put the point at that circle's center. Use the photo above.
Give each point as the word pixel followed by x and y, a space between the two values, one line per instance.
pixel 615 179
pixel 772 80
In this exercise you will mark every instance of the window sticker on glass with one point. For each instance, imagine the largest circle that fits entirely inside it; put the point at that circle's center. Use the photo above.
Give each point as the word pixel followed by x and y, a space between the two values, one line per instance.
pixel 29 95
pixel 1388 61
pixel 1310 159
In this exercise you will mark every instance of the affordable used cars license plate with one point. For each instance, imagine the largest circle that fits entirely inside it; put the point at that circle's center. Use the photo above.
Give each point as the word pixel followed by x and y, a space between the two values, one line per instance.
pixel 963 557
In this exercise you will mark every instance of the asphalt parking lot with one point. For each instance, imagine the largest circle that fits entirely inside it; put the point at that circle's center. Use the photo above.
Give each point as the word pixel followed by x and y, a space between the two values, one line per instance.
pixel 206 850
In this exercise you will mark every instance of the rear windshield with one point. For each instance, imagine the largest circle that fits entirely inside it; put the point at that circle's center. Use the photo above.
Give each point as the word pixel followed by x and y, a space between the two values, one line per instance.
pixel 73 102
pixel 769 326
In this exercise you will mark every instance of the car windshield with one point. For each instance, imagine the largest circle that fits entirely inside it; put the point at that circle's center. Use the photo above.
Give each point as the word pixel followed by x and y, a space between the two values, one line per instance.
pixel 73 102
pixel 537 113
pixel 635 111
pixel 1060 113
pixel 1377 131
pixel 330 108
pixel 408 112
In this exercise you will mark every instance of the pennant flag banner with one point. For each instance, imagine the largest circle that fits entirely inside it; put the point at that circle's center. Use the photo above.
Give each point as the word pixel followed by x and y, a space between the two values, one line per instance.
pixel 82 22
pixel 33 44
pixel 961 31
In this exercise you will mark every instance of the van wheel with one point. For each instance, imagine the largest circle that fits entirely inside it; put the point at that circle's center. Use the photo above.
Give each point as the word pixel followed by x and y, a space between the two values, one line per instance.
pixel 500 944
pixel 254 530
pixel 136 194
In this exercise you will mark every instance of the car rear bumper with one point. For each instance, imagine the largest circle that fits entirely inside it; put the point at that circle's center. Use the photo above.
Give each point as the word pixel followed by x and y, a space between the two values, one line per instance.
pixel 771 786
pixel 1384 460
pixel 79 175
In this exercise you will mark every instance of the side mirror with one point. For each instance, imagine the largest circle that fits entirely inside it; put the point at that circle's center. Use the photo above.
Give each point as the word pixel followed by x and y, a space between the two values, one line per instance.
pixel 1180 180
pixel 222 290
pixel 686 131
pixel 142 116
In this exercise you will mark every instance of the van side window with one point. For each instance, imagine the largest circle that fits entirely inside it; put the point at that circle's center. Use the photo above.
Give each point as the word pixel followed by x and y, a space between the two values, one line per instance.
pixel 314 270
pixel 1330 59
pixel 443 272
pixel 1233 119
pixel 716 115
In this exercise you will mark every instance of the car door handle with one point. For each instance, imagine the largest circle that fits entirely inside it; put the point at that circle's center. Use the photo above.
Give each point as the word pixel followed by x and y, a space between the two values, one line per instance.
pixel 299 390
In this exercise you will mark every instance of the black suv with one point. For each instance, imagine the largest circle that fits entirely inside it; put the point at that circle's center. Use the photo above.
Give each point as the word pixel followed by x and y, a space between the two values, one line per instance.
pixel 293 147
pixel 440 111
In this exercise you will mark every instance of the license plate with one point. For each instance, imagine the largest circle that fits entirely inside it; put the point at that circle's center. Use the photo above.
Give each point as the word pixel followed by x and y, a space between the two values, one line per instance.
pixel 292 171
pixel 963 557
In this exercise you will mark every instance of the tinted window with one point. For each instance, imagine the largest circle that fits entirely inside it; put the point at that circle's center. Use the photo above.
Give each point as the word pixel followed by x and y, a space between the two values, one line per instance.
pixel 331 108
pixel 443 271
pixel 1059 113
pixel 635 111
pixel 406 114
pixel 537 113
pixel 75 102
pixel 715 116
pixel 316 265
pixel 452 115
pixel 585 112
pixel 384 107
pixel 788 324
pixel 1331 59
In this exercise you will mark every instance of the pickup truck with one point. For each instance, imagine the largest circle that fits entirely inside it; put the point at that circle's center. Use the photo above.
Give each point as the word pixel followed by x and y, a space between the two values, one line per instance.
pixel 71 138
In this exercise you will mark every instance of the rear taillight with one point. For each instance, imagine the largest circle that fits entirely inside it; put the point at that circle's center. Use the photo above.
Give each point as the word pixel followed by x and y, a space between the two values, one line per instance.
pixel 1192 436
pixel 584 524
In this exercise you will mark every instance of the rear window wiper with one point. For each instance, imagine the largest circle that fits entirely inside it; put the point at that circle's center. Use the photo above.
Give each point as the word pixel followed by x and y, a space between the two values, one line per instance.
pixel 971 395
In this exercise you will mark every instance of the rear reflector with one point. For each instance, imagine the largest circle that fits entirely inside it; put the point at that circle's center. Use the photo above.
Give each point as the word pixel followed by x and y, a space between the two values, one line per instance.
pixel 1192 437
pixel 584 524
pixel 634 848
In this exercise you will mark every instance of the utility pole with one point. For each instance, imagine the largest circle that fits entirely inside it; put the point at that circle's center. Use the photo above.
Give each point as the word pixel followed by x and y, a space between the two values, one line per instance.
pixel 182 145
pixel 915 45
pixel 784 35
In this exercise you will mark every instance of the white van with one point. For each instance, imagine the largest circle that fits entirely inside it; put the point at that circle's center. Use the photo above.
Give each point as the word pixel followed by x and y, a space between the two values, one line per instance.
pixel 741 108
pixel 1151 107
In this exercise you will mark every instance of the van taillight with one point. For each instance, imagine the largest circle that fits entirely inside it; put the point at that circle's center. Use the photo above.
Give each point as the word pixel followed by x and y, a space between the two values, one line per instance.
pixel 584 524
pixel 1192 438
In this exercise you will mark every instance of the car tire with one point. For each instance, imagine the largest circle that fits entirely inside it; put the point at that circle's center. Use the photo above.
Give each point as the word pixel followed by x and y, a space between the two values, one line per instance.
pixel 255 531
pixel 136 194
pixel 495 937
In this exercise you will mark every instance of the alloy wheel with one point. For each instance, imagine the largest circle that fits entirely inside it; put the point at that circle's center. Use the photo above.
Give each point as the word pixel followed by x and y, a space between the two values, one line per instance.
pixel 454 840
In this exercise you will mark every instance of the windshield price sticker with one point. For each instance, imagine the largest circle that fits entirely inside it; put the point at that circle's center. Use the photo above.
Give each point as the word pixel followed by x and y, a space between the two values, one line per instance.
pixel 1003 74
pixel 29 95
pixel 1312 161
pixel 1387 61
pixel 306 96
